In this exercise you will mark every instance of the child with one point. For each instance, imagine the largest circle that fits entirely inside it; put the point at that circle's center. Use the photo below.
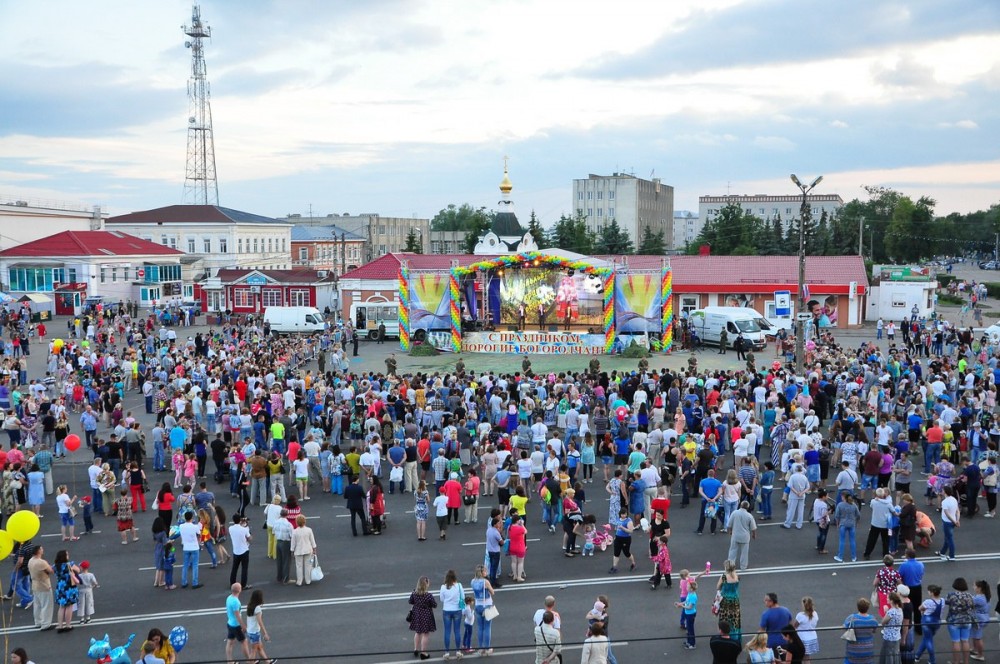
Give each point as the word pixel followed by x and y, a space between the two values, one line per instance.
pixel 685 581
pixel 178 461
pixel 580 497
pixel 661 564
pixel 766 488
pixel 168 563
pixel 469 619
pixel 87 509
pixel 190 469
pixel 85 603
pixel 689 608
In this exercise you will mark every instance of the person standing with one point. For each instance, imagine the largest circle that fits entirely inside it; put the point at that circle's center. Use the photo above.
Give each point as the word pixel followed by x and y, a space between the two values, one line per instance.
pixel 304 550
pixel 548 641
pixel 355 497
pixel 725 648
pixel 235 626
pixel 452 598
pixel 743 527
pixel 821 517
pixel 950 519
pixel 421 617
pixel 623 541
pixel 282 531
pixel 239 535
pixel 846 516
pixel 41 588
pixel 798 487
pixel 773 619
pixel 911 571
pixel 882 511
pixel 190 533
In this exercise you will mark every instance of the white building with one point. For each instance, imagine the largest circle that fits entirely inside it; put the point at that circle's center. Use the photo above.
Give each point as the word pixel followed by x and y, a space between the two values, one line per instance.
pixel 61 271
pixel 769 207
pixel 896 289
pixel 28 220
pixel 687 227
pixel 634 202
pixel 214 237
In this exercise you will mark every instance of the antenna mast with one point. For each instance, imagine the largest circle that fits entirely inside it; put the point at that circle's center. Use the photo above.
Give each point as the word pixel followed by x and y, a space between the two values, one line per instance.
pixel 200 184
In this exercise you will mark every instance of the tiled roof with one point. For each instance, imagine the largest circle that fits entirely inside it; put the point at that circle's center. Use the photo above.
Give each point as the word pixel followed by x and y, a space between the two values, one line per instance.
pixel 90 243
pixel 297 276
pixel 302 233
pixel 749 271
pixel 193 214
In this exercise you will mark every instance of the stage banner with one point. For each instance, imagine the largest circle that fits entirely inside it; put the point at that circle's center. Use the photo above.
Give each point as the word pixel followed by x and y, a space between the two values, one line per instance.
pixel 638 299
pixel 537 343
pixel 429 301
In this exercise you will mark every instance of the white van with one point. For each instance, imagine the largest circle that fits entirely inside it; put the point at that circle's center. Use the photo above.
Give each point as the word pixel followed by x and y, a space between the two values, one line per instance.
pixel 710 321
pixel 294 320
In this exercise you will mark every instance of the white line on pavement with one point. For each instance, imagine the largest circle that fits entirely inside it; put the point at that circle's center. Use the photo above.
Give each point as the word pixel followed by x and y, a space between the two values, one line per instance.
pixel 504 653
pixel 483 543
pixel 638 577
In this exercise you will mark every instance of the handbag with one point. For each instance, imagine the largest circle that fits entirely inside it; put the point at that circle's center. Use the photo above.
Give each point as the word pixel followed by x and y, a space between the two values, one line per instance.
pixel 848 634
pixel 156 503
pixel 409 616
pixel 396 474
pixel 469 499
pixel 317 572
pixel 490 612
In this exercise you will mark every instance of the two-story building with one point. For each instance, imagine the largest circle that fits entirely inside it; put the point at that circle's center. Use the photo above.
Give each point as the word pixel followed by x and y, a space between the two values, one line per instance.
pixel 328 248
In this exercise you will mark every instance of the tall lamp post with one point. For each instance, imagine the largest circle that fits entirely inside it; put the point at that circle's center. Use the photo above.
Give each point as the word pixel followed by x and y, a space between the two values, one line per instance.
pixel 801 332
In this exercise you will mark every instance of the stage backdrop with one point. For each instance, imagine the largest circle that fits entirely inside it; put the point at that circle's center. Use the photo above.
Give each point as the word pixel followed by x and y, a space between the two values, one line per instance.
pixel 557 292
pixel 429 301
pixel 637 303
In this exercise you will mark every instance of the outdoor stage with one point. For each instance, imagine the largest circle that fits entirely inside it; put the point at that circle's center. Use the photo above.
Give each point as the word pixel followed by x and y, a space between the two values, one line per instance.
pixel 579 305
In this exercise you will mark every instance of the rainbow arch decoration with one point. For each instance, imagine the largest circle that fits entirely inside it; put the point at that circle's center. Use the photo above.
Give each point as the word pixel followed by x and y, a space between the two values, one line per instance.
pixel 404 306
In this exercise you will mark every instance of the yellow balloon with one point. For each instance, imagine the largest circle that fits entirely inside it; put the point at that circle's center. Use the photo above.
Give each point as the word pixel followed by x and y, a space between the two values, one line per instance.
pixel 23 525
pixel 6 544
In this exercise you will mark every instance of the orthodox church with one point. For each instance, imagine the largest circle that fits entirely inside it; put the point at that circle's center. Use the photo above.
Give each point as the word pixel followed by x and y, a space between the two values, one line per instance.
pixel 505 235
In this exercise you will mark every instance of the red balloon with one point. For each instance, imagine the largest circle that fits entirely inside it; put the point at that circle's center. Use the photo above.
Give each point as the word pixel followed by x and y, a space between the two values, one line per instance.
pixel 72 442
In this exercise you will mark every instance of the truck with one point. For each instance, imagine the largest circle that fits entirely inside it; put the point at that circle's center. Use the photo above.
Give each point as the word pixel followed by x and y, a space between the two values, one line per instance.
pixel 294 320
pixel 710 321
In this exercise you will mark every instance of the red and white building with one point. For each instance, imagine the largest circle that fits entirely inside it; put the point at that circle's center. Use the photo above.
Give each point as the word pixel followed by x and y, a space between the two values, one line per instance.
pixel 252 291
pixel 60 272
pixel 328 248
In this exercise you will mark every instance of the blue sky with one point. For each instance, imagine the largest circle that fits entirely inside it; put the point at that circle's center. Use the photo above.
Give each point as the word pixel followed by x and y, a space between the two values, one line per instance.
pixel 404 106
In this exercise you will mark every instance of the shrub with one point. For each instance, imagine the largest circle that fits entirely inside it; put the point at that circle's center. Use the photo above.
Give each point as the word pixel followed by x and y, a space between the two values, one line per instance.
pixel 423 350
pixel 635 351
pixel 945 279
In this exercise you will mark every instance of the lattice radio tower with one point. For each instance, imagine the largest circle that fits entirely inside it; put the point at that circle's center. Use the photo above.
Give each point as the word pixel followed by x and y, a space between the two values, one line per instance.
pixel 200 184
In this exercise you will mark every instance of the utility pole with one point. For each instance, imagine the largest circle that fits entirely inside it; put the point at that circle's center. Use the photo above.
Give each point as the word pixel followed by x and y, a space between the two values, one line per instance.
pixel 802 310
pixel 861 235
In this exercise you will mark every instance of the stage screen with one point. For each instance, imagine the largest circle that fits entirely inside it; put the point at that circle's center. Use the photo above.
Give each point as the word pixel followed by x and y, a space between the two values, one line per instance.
pixel 637 303
pixel 558 293
pixel 429 301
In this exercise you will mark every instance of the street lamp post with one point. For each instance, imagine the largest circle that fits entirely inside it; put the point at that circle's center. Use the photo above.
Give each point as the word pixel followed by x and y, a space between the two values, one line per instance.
pixel 801 323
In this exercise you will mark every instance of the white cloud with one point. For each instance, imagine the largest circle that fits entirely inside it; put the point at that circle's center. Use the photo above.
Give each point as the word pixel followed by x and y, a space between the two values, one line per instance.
pixel 775 143
pixel 961 124
pixel 839 124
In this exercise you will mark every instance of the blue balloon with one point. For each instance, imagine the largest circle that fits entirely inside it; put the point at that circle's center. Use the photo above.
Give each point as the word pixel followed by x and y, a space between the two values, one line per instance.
pixel 178 638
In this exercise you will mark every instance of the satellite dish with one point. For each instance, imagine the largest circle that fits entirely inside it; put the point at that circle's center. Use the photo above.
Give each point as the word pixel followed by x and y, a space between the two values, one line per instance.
pixel 187 44
pixel 191 120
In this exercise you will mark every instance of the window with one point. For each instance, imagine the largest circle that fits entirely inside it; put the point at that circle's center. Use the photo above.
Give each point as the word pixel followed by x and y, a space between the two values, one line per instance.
pixel 600 195
pixel 299 297
pixel 163 241
pixel 381 250
pixel 898 300
pixel 590 212
pixel 579 195
pixel 303 253
pixel 190 245
pixel 271 297
pixel 239 245
pixel 381 229
pixel 611 212
pixel 283 245
pixel 611 195
pixel 223 245
pixel 269 248
pixel 104 277
pixel 207 245
pixel 149 294
pixel 600 212
pixel 189 291
pixel 689 303
pixel 590 195
pixel 125 272
pixel 242 297
pixel 255 245
pixel 788 210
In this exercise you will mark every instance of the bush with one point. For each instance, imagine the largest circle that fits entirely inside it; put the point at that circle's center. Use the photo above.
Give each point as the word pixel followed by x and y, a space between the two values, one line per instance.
pixel 945 279
pixel 423 350
pixel 635 351
pixel 948 298
pixel 992 288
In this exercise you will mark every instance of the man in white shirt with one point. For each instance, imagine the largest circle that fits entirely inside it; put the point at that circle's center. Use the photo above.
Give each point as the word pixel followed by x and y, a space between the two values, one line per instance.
pixel 93 472
pixel 950 519
pixel 550 605
pixel 539 432
pixel 651 476
pixel 239 536
pixel 191 545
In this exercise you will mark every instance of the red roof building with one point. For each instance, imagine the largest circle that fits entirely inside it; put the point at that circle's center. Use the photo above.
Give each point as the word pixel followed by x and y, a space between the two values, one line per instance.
pixel 62 271
pixel 253 291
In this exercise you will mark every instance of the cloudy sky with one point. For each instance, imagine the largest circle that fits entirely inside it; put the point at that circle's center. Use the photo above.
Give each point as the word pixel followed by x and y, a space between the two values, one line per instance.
pixel 403 106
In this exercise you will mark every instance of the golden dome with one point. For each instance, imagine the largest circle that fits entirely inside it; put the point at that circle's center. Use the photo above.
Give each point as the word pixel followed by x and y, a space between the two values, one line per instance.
pixel 506 185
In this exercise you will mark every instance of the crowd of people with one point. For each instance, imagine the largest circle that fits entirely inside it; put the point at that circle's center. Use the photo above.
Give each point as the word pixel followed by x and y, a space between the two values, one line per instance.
pixel 276 416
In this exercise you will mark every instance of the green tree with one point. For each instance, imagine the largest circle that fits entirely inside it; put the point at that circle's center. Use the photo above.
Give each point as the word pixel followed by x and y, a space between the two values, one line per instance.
pixel 651 244
pixel 452 218
pixel 571 233
pixel 734 231
pixel 613 239
pixel 413 244
pixel 535 228
pixel 477 225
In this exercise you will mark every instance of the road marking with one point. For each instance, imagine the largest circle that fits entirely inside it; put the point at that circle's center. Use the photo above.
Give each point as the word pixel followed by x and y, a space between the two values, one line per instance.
pixel 503 653
pixel 151 569
pixel 483 543
pixel 344 516
pixel 92 532
pixel 639 577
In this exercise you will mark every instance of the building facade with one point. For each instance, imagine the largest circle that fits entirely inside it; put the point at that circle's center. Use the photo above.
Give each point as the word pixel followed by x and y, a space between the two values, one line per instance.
pixel 328 248
pixel 383 235
pixel 216 236
pixel 687 227
pixel 635 203
pixel 253 291
pixel 69 267
pixel 769 207
pixel 24 221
